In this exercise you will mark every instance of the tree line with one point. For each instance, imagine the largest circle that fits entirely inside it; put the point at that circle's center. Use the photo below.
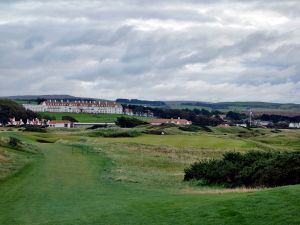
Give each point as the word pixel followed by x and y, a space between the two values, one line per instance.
pixel 9 109
pixel 203 117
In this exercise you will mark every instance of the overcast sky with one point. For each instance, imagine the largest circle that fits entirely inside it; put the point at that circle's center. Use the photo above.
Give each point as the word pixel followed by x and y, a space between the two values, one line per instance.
pixel 158 50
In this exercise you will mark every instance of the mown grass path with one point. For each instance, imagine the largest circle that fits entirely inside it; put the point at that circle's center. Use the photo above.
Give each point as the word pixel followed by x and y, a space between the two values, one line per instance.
pixel 66 188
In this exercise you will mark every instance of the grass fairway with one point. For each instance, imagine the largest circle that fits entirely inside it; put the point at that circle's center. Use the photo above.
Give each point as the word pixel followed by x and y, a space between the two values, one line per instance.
pixel 182 141
pixel 133 182
pixel 88 117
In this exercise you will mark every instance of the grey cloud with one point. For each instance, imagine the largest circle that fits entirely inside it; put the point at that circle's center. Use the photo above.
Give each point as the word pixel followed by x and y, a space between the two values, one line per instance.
pixel 196 50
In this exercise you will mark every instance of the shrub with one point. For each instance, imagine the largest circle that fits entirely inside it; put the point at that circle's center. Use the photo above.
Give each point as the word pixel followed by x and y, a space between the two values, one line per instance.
pixel 69 118
pixel 253 169
pixel 154 131
pixel 97 126
pixel 40 129
pixel 129 122
pixel 47 117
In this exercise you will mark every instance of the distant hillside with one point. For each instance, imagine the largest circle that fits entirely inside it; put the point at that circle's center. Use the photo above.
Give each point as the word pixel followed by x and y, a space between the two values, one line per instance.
pixel 141 102
pixel 32 98
pixel 221 106
pixel 240 106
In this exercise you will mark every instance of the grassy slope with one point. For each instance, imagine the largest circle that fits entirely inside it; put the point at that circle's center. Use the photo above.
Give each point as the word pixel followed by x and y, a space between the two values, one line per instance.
pixel 134 183
pixel 13 158
pixel 87 117
pixel 66 188
pixel 11 161
pixel 199 141
pixel 239 106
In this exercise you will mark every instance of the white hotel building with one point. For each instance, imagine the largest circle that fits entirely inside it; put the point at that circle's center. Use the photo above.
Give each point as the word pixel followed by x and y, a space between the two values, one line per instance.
pixel 76 107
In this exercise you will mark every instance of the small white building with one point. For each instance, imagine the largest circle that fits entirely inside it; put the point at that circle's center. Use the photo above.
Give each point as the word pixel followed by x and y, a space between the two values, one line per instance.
pixel 241 125
pixel 60 123
pixel 261 123
pixel 14 122
pixel 294 125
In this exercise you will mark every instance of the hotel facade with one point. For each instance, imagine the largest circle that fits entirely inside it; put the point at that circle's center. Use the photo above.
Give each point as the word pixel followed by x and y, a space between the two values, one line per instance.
pixel 95 107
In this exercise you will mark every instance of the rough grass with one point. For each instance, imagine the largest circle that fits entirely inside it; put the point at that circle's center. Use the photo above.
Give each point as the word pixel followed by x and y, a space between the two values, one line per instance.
pixel 159 166
pixel 114 133
pixel 14 155
pixel 203 141
pixel 137 181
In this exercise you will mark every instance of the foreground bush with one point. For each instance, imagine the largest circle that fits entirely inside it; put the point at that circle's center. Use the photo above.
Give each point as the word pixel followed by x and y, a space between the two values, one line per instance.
pixel 253 169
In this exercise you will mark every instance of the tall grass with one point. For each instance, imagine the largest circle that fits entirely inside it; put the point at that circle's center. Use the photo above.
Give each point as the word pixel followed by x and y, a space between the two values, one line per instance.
pixel 115 132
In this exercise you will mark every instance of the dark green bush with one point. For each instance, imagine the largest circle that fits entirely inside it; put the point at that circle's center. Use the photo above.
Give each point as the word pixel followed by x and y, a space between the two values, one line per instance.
pixel 253 169
pixel 40 129
pixel 129 122
pixel 94 127
pixel 69 118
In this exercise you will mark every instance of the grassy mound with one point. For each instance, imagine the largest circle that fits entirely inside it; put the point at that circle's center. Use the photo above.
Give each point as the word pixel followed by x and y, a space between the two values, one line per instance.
pixel 115 133
pixel 166 129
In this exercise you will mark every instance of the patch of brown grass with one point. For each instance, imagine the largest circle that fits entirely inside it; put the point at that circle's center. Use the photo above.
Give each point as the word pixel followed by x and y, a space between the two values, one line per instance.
pixel 209 190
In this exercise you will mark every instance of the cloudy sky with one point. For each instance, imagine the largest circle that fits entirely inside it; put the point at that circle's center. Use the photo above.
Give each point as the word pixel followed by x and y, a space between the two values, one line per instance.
pixel 158 50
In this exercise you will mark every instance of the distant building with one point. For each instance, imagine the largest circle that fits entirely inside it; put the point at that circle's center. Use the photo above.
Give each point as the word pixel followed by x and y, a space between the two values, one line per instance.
pixel 223 116
pixel 36 108
pixel 170 121
pixel 224 125
pixel 14 122
pixel 76 107
pixel 294 125
pixel 261 123
pixel 60 123
pixel 128 111
pixel 36 122
pixel 241 125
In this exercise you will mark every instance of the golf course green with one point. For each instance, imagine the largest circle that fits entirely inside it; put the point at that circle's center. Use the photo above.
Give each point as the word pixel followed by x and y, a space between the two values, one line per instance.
pixel 75 179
